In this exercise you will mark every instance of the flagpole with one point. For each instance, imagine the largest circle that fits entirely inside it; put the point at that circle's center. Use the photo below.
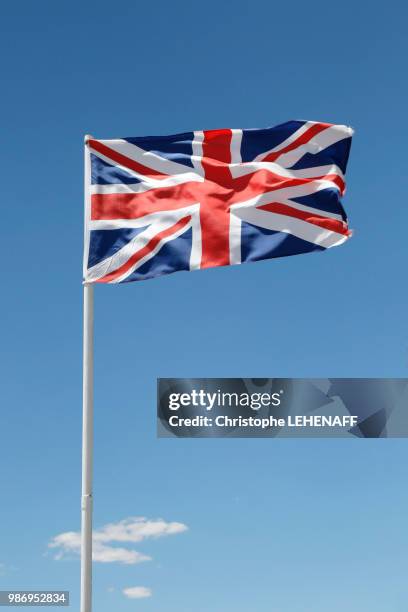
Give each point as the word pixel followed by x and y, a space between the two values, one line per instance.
pixel 87 427
pixel 87 453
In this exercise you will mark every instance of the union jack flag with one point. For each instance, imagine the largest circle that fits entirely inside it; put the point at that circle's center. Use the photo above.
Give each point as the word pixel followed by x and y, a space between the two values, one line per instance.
pixel 160 204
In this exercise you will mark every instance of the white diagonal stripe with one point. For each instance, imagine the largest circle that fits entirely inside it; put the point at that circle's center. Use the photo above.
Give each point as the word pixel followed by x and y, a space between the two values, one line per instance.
pixel 147 158
pixel 267 198
pixel 286 193
pixel 288 140
pixel 312 210
pixel 156 222
pixel 154 218
pixel 146 184
pixel 154 252
pixel 290 225
pixel 318 143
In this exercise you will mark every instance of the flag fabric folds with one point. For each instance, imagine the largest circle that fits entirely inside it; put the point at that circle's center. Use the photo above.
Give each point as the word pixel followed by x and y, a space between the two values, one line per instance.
pixel 161 204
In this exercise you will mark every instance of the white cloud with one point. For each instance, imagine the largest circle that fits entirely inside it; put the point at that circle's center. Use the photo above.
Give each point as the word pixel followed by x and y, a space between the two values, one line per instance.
pixel 127 531
pixel 136 529
pixel 137 592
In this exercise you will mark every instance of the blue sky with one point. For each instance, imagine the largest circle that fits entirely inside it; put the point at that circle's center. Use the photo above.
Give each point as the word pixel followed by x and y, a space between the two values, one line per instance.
pixel 273 525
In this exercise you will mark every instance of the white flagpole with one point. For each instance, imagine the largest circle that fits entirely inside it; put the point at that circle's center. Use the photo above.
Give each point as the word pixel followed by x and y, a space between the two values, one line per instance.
pixel 87 429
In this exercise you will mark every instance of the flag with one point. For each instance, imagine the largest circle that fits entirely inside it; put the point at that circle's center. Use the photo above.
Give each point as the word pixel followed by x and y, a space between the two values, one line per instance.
pixel 161 204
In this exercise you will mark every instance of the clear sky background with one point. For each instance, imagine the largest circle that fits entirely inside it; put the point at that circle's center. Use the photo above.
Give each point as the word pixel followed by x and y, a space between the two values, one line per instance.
pixel 273 525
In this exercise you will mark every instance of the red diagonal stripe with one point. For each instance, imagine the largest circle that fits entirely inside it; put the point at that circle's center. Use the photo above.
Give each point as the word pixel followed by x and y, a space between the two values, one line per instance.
pixel 303 139
pixel 326 222
pixel 124 160
pixel 150 246
pixel 263 181
pixel 334 178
